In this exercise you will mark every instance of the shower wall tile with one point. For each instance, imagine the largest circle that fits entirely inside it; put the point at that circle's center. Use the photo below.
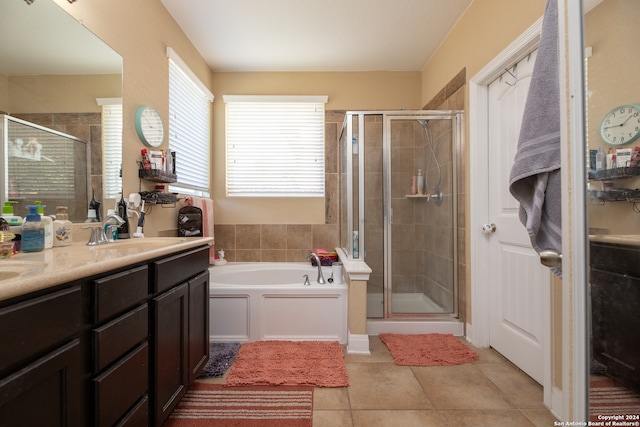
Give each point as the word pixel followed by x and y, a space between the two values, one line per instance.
pixel 325 236
pixel 225 235
pixel 332 198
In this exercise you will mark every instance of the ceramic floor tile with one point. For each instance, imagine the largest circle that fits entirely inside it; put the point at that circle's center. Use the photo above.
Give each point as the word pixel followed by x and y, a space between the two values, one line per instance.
pixel 330 398
pixel 484 417
pixel 409 418
pixel 540 417
pixel 460 387
pixel 331 418
pixel 379 353
pixel 384 386
pixel 521 390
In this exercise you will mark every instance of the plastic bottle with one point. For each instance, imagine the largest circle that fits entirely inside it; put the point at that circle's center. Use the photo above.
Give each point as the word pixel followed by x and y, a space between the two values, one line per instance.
pixel 420 182
pixel 47 222
pixel 601 160
pixel 32 231
pixel 7 214
pixel 62 228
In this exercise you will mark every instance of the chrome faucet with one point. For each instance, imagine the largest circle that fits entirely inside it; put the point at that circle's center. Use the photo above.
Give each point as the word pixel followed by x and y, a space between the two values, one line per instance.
pixel 98 235
pixel 315 256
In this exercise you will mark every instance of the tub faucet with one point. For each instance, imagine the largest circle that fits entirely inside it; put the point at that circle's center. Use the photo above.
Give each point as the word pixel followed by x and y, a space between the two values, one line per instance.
pixel 315 256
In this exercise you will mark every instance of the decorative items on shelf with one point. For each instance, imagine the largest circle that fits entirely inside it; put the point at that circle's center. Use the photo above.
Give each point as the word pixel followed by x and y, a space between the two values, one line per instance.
pixel 157 166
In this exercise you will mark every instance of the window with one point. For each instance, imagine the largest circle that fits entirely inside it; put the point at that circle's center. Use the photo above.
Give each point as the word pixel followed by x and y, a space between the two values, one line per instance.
pixel 111 146
pixel 189 128
pixel 275 146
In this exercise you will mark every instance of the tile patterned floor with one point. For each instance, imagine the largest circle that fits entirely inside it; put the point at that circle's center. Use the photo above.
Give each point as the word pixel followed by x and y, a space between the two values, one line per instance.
pixel 488 392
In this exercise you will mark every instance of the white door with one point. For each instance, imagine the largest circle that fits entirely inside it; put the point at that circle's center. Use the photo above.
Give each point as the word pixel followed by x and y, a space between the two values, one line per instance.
pixel 516 276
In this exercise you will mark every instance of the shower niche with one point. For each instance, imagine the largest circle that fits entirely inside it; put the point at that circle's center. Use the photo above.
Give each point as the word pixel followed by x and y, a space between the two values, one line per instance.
pixel 409 240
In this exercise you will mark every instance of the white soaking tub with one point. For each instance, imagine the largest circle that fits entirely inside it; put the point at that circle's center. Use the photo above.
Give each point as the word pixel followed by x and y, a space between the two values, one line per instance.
pixel 269 301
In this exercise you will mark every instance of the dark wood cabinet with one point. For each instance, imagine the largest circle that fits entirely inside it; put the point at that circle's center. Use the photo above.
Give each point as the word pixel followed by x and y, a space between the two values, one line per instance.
pixel 41 363
pixel 119 348
pixel 615 304
pixel 180 333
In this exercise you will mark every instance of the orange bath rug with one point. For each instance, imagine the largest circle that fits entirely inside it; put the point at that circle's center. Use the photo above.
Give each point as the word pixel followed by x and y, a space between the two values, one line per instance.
pixel 427 350
pixel 213 405
pixel 316 363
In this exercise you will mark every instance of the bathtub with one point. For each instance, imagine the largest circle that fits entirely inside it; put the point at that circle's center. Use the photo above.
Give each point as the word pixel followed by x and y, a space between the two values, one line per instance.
pixel 269 301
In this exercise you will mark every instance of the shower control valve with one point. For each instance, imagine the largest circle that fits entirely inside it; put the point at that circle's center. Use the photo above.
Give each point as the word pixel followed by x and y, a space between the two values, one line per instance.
pixel 488 228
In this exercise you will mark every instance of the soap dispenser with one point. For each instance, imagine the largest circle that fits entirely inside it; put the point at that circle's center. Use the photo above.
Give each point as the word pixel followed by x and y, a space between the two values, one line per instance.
pixel 47 223
pixel 62 228
pixel 32 231
pixel 7 214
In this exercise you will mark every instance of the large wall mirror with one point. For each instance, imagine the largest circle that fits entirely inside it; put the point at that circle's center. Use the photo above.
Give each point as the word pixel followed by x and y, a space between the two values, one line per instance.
pixel 612 77
pixel 57 75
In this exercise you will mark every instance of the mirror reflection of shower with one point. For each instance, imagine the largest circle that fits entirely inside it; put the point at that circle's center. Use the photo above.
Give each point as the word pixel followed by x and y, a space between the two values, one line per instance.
pixel 436 195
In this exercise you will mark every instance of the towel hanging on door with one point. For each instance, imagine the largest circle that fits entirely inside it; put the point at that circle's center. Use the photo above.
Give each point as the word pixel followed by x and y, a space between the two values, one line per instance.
pixel 535 175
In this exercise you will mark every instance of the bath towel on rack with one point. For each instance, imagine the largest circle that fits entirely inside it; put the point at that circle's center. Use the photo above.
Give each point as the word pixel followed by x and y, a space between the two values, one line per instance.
pixel 535 175
pixel 206 205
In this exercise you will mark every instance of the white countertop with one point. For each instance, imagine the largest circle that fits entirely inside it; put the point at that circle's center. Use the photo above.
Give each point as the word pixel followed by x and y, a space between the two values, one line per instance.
pixel 28 272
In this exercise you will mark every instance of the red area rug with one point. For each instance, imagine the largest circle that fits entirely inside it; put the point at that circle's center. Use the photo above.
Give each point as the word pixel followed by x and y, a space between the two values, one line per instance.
pixel 608 398
pixel 315 363
pixel 427 350
pixel 216 405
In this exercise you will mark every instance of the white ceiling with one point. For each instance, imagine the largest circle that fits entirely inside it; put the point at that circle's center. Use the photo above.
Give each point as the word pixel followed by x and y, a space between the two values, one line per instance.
pixel 316 35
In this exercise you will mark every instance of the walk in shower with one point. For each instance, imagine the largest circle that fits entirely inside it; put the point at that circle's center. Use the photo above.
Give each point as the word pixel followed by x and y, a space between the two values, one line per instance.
pixel 408 238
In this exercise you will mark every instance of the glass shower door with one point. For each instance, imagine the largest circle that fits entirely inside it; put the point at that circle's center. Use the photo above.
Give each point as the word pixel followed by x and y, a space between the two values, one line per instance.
pixel 419 227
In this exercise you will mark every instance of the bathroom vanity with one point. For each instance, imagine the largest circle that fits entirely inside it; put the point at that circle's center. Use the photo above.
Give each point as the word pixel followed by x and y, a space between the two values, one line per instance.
pixel 111 335
pixel 615 303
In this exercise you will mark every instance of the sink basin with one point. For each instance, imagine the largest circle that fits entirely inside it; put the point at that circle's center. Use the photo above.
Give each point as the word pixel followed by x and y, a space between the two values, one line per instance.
pixel 144 243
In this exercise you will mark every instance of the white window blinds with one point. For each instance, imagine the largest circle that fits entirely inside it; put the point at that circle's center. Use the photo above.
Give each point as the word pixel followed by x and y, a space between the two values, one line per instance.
pixel 111 146
pixel 189 128
pixel 275 146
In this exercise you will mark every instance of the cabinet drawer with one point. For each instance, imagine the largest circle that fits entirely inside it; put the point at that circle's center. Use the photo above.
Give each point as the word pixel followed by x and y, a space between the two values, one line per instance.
pixel 114 294
pixel 120 387
pixel 119 336
pixel 177 269
pixel 34 325
pixel 138 415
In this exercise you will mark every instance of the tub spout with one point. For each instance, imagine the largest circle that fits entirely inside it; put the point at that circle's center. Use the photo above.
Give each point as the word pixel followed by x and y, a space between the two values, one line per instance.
pixel 315 256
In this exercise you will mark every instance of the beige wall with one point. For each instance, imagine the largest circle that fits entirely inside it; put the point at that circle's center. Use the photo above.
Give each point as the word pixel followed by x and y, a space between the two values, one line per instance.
pixel 346 91
pixel 140 31
pixel 610 85
pixel 61 94
pixel 4 93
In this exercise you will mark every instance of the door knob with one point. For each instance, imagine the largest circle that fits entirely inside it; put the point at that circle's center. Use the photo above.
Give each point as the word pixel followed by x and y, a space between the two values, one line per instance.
pixel 550 258
pixel 488 228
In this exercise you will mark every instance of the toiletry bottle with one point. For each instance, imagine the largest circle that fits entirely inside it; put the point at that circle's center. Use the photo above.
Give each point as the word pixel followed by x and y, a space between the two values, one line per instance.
pixel 47 222
pixel 123 230
pixel 7 214
pixel 600 160
pixel 420 182
pixel 62 228
pixel 610 159
pixel 32 231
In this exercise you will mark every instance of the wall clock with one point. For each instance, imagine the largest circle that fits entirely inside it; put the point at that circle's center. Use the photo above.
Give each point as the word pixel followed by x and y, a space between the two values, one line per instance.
pixel 621 125
pixel 149 126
